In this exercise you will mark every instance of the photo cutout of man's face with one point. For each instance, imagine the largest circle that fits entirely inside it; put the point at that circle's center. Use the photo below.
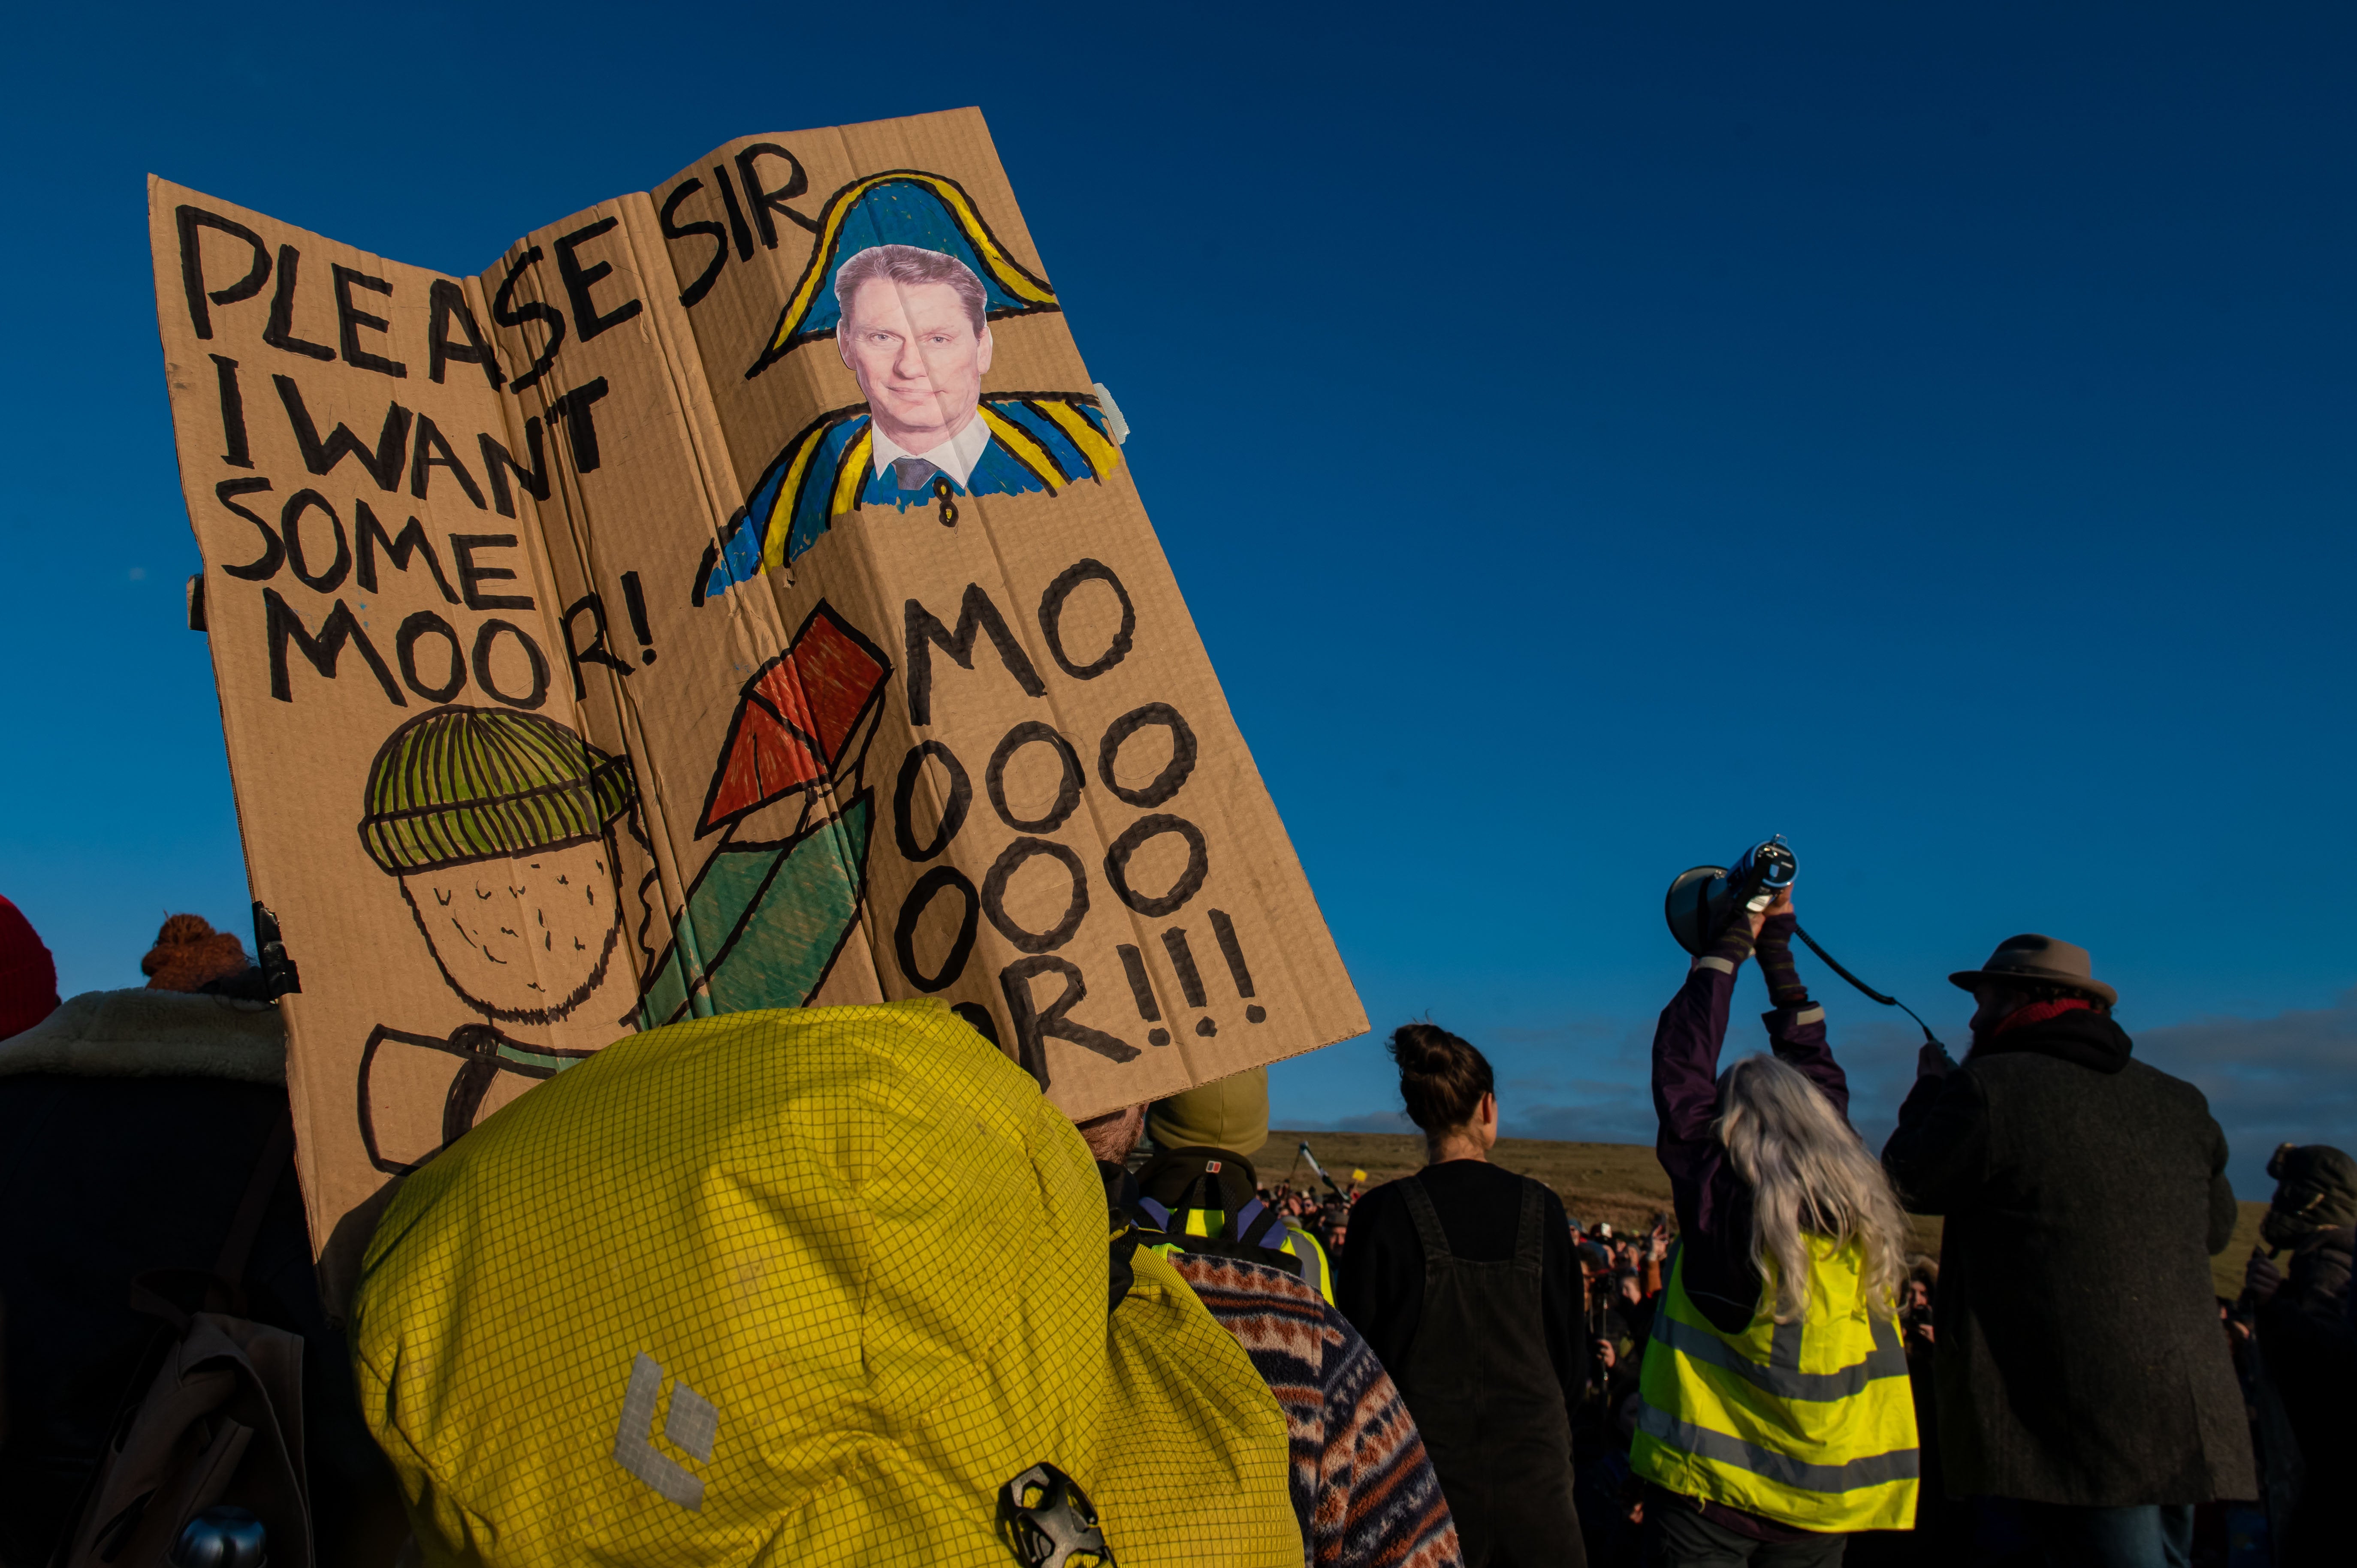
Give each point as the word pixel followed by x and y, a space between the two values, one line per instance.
pixel 919 358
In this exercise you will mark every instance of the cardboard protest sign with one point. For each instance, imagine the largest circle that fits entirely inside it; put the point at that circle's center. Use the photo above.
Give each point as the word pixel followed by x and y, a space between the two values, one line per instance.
pixel 736 597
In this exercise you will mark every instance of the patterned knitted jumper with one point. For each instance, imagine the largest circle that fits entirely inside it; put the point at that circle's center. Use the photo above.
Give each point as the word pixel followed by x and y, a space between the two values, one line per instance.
pixel 1363 1486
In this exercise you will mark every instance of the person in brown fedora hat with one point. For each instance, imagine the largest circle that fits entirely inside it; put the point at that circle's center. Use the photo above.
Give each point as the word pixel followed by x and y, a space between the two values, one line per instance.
pixel 2080 1369
pixel 2026 964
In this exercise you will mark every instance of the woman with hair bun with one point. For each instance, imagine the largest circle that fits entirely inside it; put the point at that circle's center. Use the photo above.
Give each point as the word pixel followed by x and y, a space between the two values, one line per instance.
pixel 1775 1416
pixel 1461 1278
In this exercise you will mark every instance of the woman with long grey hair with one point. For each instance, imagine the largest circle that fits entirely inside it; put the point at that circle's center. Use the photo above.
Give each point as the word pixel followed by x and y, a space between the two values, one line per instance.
pixel 1774 1413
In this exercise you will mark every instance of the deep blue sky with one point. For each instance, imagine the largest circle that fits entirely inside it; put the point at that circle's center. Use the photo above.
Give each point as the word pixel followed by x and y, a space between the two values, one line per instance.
pixel 1590 438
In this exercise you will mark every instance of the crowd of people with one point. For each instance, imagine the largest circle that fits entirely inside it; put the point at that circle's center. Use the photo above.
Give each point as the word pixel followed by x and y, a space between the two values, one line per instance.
pixel 1766 1372
pixel 2307 1364
pixel 1620 1287
pixel 2091 1417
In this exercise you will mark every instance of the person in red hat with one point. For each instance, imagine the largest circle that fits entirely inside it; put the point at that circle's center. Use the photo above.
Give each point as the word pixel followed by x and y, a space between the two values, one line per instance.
pixel 28 975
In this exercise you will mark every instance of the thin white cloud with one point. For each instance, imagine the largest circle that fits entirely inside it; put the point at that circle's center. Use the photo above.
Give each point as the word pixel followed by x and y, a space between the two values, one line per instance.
pixel 1373 1122
pixel 2288 1078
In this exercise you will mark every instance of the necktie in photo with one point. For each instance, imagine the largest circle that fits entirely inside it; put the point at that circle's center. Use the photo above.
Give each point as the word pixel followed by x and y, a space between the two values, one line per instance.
pixel 913 473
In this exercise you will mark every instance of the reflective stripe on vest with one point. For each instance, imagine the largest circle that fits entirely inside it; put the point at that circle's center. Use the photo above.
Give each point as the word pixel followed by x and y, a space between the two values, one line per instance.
pixel 1809 1424
pixel 1316 1268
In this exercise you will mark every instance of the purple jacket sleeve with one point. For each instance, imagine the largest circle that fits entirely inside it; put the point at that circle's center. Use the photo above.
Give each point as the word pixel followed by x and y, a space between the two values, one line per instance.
pixel 1797 1035
pixel 1685 1085
pixel 1714 1204
pixel 1796 1026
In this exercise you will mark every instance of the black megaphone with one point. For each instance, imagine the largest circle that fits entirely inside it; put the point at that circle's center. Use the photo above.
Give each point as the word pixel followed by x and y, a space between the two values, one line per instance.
pixel 1702 901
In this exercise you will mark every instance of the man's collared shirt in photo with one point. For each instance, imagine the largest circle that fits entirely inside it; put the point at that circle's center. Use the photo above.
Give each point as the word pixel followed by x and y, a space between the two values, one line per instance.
pixel 956 456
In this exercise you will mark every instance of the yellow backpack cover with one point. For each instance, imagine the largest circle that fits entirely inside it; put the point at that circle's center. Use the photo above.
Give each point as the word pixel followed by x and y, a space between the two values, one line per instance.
pixel 789 1287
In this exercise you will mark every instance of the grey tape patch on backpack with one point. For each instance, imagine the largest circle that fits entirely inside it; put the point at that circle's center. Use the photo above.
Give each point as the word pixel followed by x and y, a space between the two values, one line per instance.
pixel 692 1425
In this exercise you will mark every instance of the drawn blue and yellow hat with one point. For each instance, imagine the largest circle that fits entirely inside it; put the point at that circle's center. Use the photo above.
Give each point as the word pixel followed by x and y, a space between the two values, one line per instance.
pixel 902 207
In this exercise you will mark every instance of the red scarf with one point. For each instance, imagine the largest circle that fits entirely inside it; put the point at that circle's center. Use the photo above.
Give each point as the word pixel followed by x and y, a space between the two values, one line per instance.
pixel 2038 1012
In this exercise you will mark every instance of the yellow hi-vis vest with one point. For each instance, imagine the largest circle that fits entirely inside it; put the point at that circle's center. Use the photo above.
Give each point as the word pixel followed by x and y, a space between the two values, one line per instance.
pixel 1317 1270
pixel 1810 1424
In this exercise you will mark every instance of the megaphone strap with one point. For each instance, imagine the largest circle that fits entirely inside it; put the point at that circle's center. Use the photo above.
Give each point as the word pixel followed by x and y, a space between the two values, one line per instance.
pixel 1835 965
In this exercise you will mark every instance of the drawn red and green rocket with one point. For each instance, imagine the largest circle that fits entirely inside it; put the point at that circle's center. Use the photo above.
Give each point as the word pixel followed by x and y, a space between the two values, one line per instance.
pixel 765 916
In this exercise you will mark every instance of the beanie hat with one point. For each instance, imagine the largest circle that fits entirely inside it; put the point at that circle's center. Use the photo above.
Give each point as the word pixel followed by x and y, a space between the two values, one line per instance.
pixel 2316 1189
pixel 28 975
pixel 1231 1114
pixel 188 952
pixel 466 784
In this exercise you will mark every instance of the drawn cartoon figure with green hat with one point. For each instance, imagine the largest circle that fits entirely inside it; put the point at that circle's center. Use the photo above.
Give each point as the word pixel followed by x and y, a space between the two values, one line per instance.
pixel 497 823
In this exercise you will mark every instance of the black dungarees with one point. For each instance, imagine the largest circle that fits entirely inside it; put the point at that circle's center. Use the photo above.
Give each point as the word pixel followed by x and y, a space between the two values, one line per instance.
pixel 1483 1391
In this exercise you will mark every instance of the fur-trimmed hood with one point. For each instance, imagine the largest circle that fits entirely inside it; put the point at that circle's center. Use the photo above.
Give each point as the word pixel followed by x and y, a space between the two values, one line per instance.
pixel 153 1034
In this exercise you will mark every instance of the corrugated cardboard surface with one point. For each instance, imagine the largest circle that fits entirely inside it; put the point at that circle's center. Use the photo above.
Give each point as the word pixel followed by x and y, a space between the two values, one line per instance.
pixel 965 743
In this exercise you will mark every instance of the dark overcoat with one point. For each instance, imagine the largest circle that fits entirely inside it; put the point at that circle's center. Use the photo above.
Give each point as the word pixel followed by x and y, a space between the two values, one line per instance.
pixel 2080 1357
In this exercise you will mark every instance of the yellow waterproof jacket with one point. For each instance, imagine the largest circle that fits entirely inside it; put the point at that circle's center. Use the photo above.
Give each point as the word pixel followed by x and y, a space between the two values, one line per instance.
pixel 1810 1423
pixel 795 1287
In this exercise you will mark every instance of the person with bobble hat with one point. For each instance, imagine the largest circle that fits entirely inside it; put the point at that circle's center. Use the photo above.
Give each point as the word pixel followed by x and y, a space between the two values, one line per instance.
pixel 2084 1384
pixel 1775 1417
pixel 1461 1278
pixel 1362 1485
pixel 1201 1191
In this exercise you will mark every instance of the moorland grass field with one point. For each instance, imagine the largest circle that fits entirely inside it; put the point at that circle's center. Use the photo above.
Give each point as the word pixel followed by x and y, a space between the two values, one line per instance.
pixel 1618 1183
